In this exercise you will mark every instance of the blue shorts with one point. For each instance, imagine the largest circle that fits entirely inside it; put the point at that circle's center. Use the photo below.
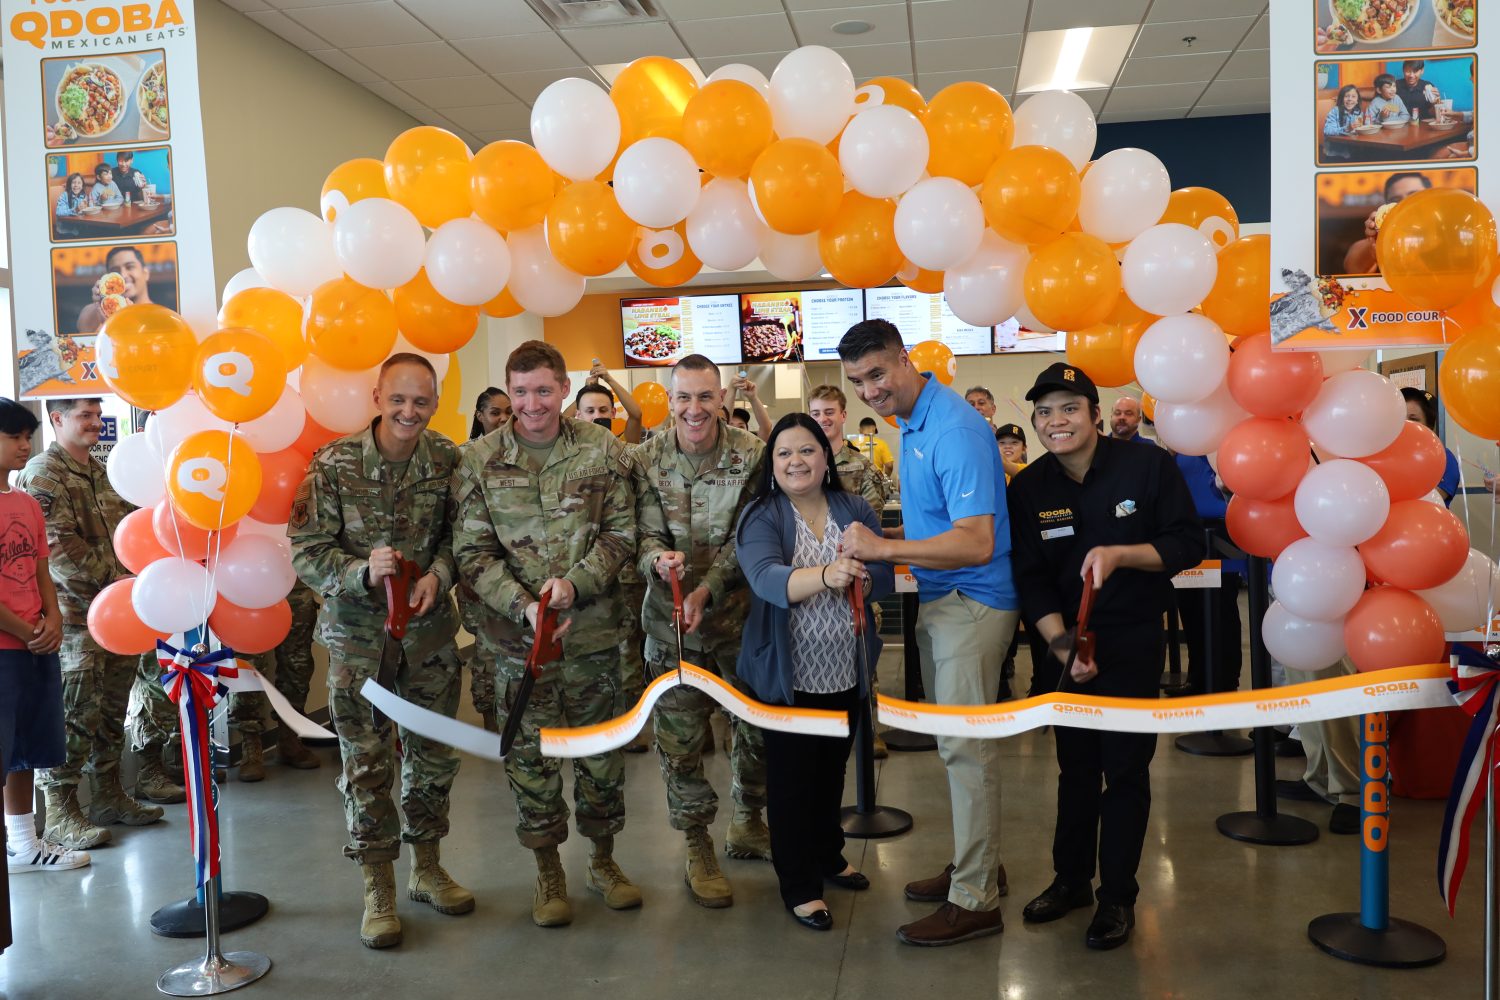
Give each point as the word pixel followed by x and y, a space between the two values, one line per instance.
pixel 31 710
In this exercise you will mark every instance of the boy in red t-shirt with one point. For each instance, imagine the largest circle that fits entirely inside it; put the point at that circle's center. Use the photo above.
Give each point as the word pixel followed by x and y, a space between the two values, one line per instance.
pixel 31 717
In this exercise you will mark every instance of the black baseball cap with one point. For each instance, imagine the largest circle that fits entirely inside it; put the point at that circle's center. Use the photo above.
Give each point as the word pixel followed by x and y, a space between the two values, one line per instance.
pixel 1065 377
pixel 1010 430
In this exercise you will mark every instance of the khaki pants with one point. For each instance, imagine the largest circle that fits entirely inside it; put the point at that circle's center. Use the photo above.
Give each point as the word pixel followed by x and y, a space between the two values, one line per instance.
pixel 1332 748
pixel 962 645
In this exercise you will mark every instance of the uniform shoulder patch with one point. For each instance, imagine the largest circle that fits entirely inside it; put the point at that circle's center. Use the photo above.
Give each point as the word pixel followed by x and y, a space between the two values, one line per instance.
pixel 301 506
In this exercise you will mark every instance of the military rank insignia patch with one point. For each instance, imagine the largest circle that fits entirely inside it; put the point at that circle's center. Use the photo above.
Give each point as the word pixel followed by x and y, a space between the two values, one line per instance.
pixel 301 512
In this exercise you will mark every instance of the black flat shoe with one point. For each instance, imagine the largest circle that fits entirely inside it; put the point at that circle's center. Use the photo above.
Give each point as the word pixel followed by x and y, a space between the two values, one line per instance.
pixel 1110 927
pixel 854 880
pixel 1296 790
pixel 818 920
pixel 1057 900
pixel 1344 820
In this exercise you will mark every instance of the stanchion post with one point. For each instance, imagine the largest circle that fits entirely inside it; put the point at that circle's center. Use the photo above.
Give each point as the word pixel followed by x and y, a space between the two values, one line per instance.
pixel 1491 873
pixel 1216 742
pixel 911 663
pixel 866 819
pixel 216 972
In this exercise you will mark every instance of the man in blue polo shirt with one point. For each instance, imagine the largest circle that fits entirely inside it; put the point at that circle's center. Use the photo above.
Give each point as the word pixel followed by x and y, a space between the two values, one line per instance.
pixel 956 538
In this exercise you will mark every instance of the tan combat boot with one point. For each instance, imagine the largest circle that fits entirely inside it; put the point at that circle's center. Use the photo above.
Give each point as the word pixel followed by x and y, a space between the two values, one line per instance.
pixel 110 804
pixel 550 906
pixel 293 752
pixel 748 839
pixel 606 878
pixel 431 884
pixel 252 758
pixel 66 824
pixel 704 879
pixel 380 927
pixel 881 750
pixel 152 783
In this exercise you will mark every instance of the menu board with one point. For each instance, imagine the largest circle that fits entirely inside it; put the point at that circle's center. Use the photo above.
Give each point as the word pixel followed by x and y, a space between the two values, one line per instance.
pixel 920 317
pixel 1012 338
pixel 798 325
pixel 662 331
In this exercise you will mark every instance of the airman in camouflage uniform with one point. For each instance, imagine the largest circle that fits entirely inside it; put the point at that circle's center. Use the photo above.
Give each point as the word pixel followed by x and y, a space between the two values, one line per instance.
pixel 470 609
pixel 691 484
pixel 82 511
pixel 369 499
pixel 290 667
pixel 544 505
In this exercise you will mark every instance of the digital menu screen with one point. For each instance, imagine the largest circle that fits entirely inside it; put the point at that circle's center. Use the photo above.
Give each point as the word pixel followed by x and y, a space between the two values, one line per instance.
pixel 797 325
pixel 920 317
pixel 662 331
pixel 1012 338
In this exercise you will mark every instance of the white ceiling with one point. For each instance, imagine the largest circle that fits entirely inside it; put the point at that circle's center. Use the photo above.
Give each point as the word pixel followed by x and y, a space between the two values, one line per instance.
pixel 475 66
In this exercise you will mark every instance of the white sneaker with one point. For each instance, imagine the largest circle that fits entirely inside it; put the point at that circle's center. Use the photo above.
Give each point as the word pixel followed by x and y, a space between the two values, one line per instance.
pixel 45 857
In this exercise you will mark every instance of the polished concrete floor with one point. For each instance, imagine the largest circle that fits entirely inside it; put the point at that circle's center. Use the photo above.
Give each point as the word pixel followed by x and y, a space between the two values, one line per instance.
pixel 1217 918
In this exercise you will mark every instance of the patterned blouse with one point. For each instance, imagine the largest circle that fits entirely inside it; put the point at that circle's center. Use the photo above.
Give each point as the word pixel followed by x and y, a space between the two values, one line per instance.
pixel 822 626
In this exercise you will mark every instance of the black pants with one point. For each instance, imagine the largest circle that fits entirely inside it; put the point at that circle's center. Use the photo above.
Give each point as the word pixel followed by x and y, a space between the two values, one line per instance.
pixel 804 792
pixel 1227 655
pixel 1104 779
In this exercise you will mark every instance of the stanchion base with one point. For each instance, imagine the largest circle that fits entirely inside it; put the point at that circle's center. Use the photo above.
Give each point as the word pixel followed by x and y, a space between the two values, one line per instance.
pixel 1214 744
pixel 184 919
pixel 904 742
pixel 1402 945
pixel 882 821
pixel 204 977
pixel 1276 831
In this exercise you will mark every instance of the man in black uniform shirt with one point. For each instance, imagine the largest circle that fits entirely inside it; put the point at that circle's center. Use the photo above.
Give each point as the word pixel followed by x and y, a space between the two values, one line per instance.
pixel 1120 510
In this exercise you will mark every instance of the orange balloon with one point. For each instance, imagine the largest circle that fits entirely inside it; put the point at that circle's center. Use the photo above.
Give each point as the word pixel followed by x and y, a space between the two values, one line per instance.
pixel 1271 383
pixel 238 374
pixel 1263 458
pixel 1420 546
pixel 858 245
pixel 431 322
pixel 428 169
pixel 1240 301
pixel 889 90
pixel 1263 527
pixel 1437 247
pixel 1072 282
pixel 587 231
pixel 1106 351
pixel 114 624
pixel 936 357
pixel 617 426
pixel 892 421
pixel 179 537
pixel 968 126
pixel 662 257
pixel 135 541
pixel 1479 309
pixel 1470 381
pixel 653 399
pixel 146 355
pixel 1207 211
pixel 797 185
pixel 314 436
pixel 725 126
pixel 1390 627
pixel 651 95
pixel 1412 465
pixel 281 472
pixel 503 306
pixel 350 326
pixel 250 630
pixel 919 279
pixel 1148 405
pixel 1030 194
pixel 271 314
pixel 511 185
pixel 213 479
pixel 354 180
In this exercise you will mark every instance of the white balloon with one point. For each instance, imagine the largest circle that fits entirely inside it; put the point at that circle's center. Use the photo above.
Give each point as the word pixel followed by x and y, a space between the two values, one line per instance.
pixel 1355 414
pixel 790 258
pixel 280 426
pixel 722 228
pixel 537 281
pixel 173 595
pixel 439 362
pixel 379 243
pixel 987 289
pixel 248 278
pixel 277 532
pixel 575 127
pixel 1198 428
pixel 1435 495
pixel 1468 599
pixel 883 151
pixel 1181 359
pixel 467 262
pixel 656 182
pixel 1300 643
pixel 293 251
pixel 1316 581
pixel 254 571
pixel 1335 362
pixel 744 74
pixel 136 471
pixel 1342 502
pixel 340 400
pixel 1124 193
pixel 1169 269
pixel 939 223
pixel 168 428
pixel 812 94
pixel 1060 119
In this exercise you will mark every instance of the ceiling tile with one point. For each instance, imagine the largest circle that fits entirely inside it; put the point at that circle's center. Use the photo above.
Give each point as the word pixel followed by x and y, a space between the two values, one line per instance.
pixel 475 18
pixel 1221 35
pixel 1093 98
pixel 1224 93
pixel 247 5
pixel 625 42
pixel 1171 95
pixel 518 53
pixel 763 61
pixel 394 95
pixel 1247 64
pixel 1170 69
pixel 887 22
pixel 511 135
pixel 1235 109
pixel 1085 14
pixel 1003 80
pixel 877 60
pixel 1203 10
pixel 417 61
pixel 458 92
pixel 727 35
pixel 690 10
pixel 274 20
pixel 1142 116
pixel 285 4
pixel 337 60
pixel 796 5
pixel 1260 35
pixel 348 26
pixel 966 18
pixel 945 55
pixel 492 118
pixel 526 86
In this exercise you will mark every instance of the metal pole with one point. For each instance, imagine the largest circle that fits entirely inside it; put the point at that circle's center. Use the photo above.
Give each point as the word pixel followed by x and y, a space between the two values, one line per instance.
pixel 1491 927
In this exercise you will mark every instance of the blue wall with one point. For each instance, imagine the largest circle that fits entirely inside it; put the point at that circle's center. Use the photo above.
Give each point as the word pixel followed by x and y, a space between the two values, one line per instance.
pixel 1232 155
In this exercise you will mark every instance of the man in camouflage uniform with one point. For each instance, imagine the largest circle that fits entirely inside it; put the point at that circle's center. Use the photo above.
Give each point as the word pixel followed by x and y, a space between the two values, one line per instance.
pixel 544 507
pixel 470 607
pixel 370 500
pixel 82 511
pixel 691 484
pixel 289 666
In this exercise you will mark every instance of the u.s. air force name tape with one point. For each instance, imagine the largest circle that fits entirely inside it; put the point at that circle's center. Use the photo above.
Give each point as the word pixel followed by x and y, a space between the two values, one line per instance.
pixel 250 680
pixel 1402 688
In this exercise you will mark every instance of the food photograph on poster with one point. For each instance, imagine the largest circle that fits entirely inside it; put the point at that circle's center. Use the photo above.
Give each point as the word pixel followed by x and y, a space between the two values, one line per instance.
pixel 93 283
pixel 1357 26
pixel 106 99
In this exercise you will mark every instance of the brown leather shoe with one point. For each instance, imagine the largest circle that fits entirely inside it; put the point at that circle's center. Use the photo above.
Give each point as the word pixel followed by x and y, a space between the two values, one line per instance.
pixel 951 924
pixel 935 889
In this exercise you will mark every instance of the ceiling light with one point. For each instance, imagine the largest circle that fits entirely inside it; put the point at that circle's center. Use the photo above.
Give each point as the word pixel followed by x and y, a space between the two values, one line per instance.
pixel 588 13
pixel 609 71
pixel 1074 58
pixel 1070 59
pixel 852 27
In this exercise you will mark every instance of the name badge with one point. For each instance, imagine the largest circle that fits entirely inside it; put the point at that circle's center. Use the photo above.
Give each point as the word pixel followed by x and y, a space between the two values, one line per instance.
pixel 1050 533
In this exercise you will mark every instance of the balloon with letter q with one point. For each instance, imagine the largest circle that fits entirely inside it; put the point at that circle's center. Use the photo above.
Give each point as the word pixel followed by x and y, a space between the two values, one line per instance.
pixel 239 374
pixel 213 479
pixel 145 354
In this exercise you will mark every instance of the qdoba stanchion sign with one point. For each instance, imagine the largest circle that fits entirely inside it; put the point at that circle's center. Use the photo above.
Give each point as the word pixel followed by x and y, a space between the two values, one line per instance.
pixel 107 197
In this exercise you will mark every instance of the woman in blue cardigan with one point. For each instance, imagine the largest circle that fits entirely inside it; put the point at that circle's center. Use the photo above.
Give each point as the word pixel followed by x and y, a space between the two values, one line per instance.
pixel 799 649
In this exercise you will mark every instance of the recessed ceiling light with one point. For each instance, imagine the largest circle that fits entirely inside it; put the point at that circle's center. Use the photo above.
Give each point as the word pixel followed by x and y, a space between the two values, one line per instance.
pixel 852 27
pixel 1074 58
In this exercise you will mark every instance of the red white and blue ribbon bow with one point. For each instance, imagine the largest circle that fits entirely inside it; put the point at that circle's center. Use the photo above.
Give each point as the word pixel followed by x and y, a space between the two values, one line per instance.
pixel 193 683
pixel 1476 688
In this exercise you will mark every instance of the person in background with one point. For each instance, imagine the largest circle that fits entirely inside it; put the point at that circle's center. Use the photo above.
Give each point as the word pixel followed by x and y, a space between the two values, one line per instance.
pixel 876 450
pixel 800 649
pixel 1360 257
pixel 105 193
pixel 745 386
pixel 739 418
pixel 1226 659
pixel 290 667
pixel 1012 442
pixel 1385 106
pixel 1422 407
pixel 595 401
pixel 1414 92
pixel 491 409
pixel 982 400
pixel 129 180
pixel 1125 420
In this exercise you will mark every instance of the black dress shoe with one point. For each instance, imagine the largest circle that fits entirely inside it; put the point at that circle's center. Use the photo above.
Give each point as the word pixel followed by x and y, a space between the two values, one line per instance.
pixel 1111 926
pixel 1057 900
pixel 1290 748
pixel 818 920
pixel 1297 791
pixel 854 880
pixel 1345 819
